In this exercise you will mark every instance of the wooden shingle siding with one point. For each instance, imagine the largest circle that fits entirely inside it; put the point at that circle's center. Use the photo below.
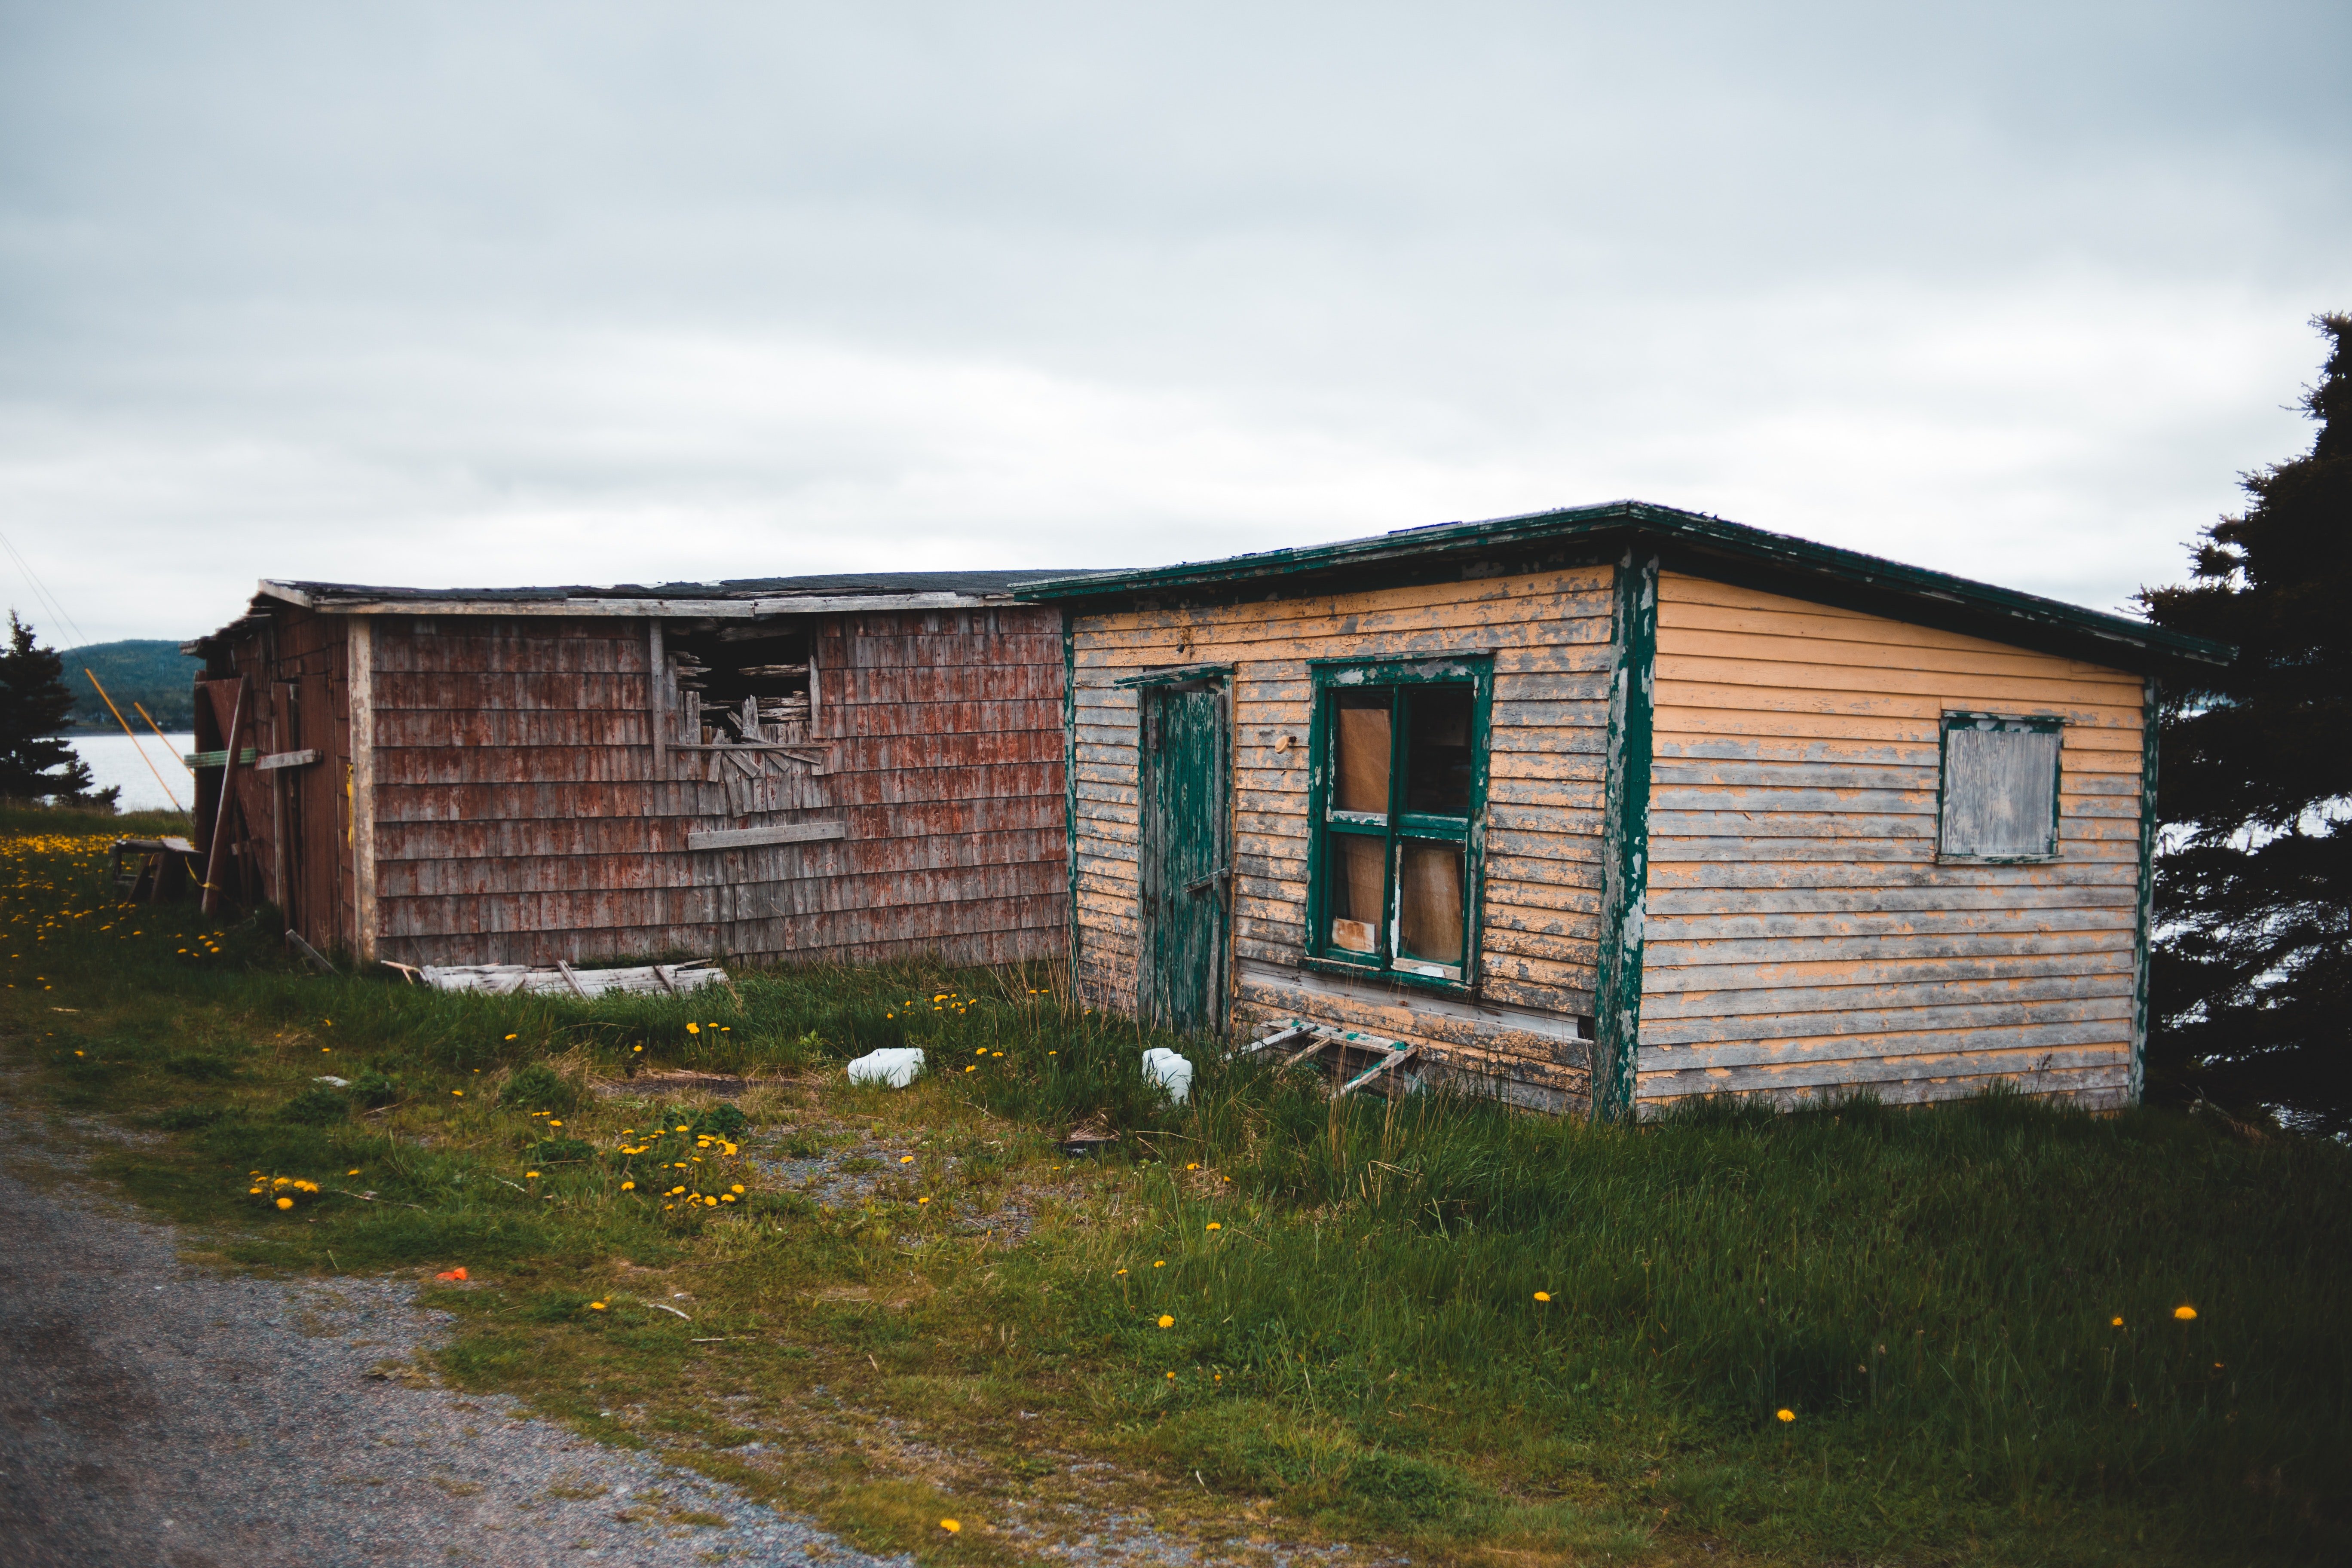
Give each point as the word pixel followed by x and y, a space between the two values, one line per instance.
pixel 1549 633
pixel 520 814
pixel 1801 936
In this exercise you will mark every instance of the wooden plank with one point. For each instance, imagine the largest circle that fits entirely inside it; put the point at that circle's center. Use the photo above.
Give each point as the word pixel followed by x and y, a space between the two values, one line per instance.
pixel 745 838
pixel 1870 1023
pixel 1732 1009
pixel 1976 1068
pixel 1932 927
pixel 1783 970
pixel 1821 700
pixel 1859 653
pixel 1668 953
pixel 277 759
pixel 362 683
pixel 1668 902
pixel 1914 850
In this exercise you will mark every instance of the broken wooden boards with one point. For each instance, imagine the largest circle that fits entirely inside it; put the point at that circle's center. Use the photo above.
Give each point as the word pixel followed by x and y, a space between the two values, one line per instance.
pixel 1359 1060
pixel 562 980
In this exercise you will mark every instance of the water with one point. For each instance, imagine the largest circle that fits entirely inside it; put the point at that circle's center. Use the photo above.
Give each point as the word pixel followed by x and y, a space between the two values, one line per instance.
pixel 113 760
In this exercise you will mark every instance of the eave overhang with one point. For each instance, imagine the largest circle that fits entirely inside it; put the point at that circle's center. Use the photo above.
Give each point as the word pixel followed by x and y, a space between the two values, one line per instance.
pixel 1685 540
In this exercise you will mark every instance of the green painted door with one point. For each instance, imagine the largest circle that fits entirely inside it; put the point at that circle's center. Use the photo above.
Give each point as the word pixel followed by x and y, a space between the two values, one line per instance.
pixel 1187 877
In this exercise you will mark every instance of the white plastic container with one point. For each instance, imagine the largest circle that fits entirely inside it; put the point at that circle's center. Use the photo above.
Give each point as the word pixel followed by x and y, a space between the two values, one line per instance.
pixel 897 1066
pixel 1170 1071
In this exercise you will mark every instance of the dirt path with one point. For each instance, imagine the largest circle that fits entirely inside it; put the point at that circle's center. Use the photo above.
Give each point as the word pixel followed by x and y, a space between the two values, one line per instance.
pixel 155 1414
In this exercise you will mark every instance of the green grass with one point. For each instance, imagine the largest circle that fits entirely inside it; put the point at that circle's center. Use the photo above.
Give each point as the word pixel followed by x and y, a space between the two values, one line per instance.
pixel 1358 1348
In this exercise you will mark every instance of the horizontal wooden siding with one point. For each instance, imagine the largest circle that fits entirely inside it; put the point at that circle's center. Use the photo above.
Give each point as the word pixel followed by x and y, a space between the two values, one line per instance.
pixel 1801 937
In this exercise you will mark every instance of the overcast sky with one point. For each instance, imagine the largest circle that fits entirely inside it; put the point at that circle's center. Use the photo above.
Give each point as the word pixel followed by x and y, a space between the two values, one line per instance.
pixel 475 294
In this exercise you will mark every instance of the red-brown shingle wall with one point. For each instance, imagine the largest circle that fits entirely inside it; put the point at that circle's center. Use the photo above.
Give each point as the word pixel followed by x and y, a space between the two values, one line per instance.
pixel 519 816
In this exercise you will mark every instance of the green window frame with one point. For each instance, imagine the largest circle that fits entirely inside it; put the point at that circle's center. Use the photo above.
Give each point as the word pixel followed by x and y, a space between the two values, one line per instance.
pixel 1999 783
pixel 1397 766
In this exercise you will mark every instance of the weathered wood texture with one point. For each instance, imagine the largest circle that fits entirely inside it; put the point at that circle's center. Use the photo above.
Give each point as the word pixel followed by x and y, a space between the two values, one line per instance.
pixel 1802 938
pixel 521 816
pixel 1549 633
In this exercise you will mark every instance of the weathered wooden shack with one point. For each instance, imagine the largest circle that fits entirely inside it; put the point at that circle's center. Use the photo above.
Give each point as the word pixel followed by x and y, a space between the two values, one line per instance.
pixel 838 767
pixel 1615 806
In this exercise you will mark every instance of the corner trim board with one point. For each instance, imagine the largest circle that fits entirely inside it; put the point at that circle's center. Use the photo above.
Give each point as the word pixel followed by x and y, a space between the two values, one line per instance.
pixel 1625 864
pixel 360 678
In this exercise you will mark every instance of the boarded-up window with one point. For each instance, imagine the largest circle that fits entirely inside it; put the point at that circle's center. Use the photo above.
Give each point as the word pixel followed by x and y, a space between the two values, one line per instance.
pixel 1999 794
pixel 1402 766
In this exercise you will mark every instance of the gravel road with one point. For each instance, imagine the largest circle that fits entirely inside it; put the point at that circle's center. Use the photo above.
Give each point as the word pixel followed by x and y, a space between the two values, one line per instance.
pixel 152 1413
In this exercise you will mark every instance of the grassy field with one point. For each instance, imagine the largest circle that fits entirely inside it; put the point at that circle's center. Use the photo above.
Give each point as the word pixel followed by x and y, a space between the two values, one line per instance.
pixel 1986 1333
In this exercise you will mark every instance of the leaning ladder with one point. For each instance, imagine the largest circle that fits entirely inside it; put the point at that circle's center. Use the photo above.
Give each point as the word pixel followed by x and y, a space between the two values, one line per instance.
pixel 1299 1041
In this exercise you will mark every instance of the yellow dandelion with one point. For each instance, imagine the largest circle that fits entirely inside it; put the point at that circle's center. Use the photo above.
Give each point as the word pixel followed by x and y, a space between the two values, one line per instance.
pixel 1193 1166
pixel 950 1526
pixel 2115 1322
pixel 595 1306
pixel 286 1202
pixel 1159 1263
pixel 509 1036
pixel 736 1189
pixel 1115 1271
pixel 1543 1295
pixel 922 1200
pixel 628 1186
pixel 1166 1321
pixel 1214 1226
pixel 2185 1314
pixel 1786 1414
pixel 694 1028
pixel 906 1159
pixel 255 1191
pixel 458 1092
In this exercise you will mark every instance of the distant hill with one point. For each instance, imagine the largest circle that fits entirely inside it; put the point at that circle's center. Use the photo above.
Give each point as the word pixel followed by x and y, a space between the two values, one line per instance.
pixel 149 671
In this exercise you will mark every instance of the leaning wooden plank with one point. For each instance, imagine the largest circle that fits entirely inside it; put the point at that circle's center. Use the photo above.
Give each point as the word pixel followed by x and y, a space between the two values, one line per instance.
pixel 744 837
pixel 302 759
pixel 219 758
pixel 1275 1041
pixel 1395 1060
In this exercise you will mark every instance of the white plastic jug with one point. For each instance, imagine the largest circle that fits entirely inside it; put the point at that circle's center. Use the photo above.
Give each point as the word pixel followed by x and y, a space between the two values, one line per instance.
pixel 898 1065
pixel 1170 1071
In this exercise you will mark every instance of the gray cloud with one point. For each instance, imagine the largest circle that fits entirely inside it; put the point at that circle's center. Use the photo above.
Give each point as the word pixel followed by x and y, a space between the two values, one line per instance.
pixel 443 294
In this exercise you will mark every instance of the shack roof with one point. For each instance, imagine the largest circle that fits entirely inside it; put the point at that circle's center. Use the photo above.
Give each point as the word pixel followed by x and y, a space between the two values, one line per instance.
pixel 735 598
pixel 1688 540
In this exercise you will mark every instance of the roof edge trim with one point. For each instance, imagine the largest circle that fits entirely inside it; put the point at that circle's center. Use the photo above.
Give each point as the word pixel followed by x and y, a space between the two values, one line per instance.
pixel 1696 534
pixel 730 609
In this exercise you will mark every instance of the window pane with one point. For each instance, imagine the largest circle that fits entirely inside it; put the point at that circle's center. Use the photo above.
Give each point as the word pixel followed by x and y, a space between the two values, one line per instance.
pixel 1357 864
pixel 1429 903
pixel 2001 790
pixel 1437 750
pixel 1360 739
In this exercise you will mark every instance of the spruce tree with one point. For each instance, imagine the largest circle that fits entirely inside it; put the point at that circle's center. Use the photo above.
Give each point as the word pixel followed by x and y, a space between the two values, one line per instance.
pixel 35 704
pixel 2251 993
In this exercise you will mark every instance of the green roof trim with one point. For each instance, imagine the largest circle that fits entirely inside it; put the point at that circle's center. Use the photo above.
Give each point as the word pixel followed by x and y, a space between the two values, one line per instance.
pixel 1693 542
